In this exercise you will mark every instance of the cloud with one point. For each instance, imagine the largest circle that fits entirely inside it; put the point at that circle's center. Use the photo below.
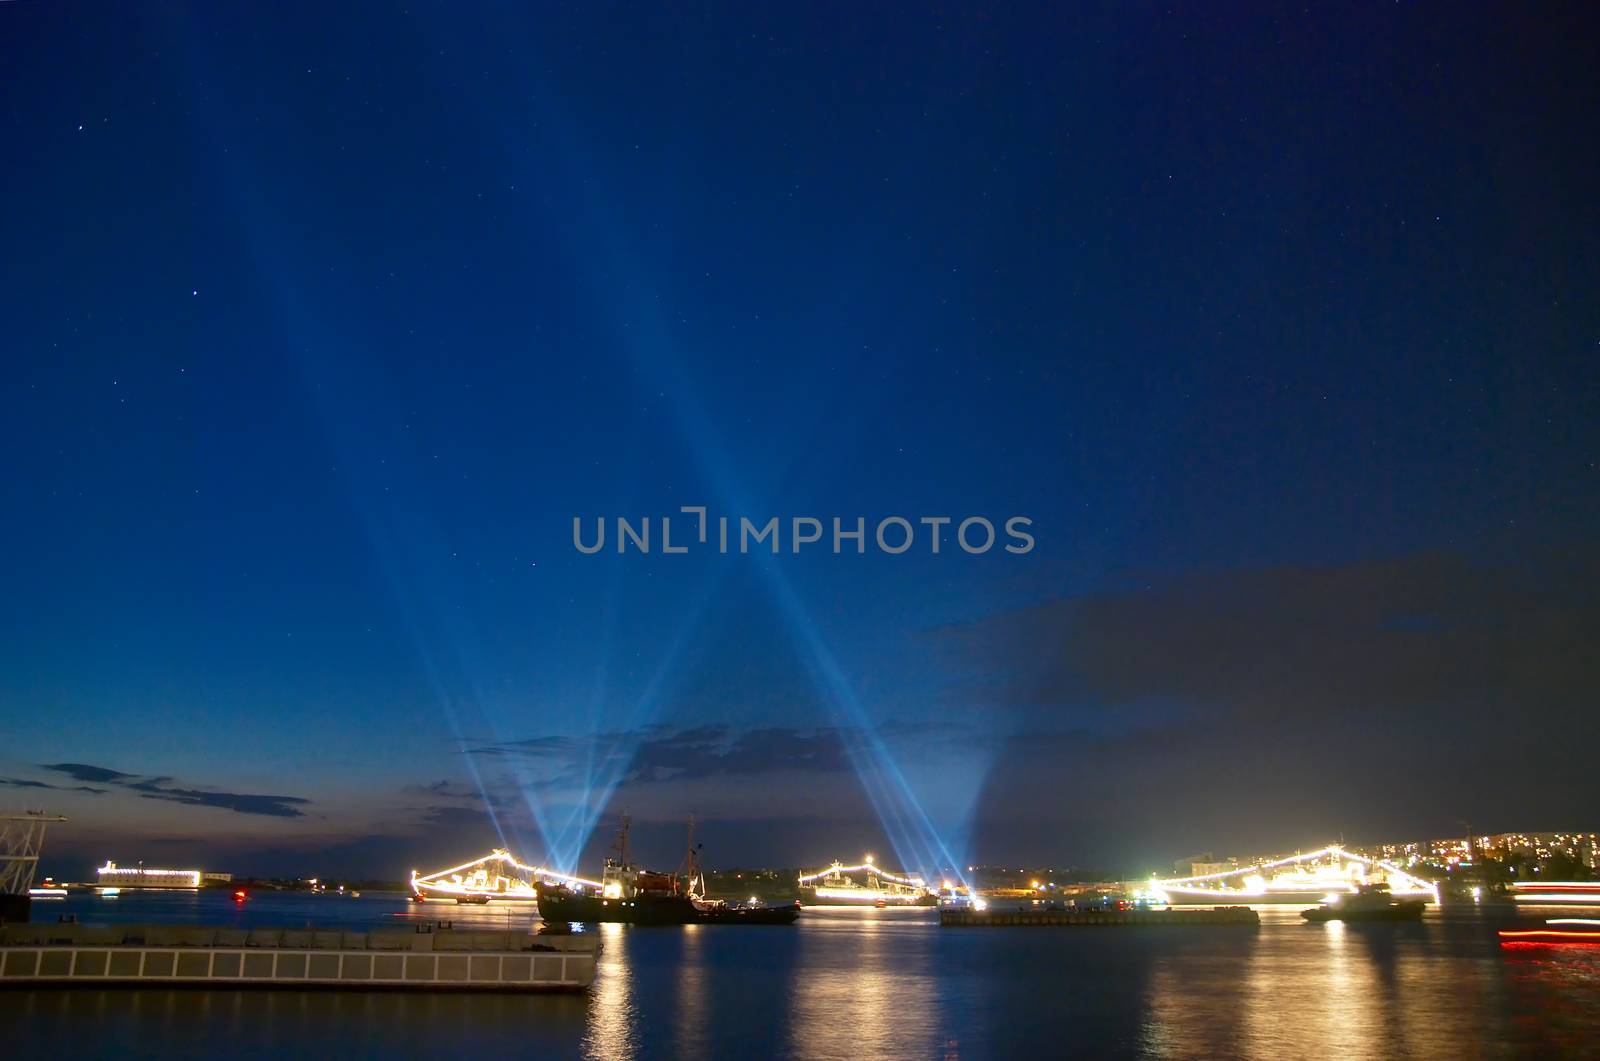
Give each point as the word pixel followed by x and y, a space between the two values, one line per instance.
pixel 473 803
pixel 444 790
pixel 449 815
pixel 238 802
pixel 719 751
pixel 662 754
pixel 20 782
pixel 83 772
pixel 161 788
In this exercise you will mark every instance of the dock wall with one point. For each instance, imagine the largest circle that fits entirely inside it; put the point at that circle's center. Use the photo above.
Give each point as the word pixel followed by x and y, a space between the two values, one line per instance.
pixel 153 955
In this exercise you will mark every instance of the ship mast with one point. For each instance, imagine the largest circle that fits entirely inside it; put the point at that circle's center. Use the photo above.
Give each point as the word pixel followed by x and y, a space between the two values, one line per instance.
pixel 691 863
pixel 620 845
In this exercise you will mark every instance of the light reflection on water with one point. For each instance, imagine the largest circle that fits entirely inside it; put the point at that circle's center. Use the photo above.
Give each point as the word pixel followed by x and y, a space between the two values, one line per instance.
pixel 690 1028
pixel 613 1024
pixel 1438 988
pixel 852 983
pixel 861 1000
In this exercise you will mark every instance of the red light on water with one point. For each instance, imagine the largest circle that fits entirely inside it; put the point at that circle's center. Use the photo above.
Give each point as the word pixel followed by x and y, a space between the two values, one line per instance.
pixel 1544 937
pixel 240 895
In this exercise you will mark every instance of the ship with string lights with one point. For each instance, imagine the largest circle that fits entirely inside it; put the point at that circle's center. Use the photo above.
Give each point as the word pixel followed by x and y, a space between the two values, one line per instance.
pixel 866 884
pixel 497 876
pixel 1321 876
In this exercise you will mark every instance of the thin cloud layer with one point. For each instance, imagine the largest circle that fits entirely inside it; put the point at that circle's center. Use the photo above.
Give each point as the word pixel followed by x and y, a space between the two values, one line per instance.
pixel 161 788
pixel 662 754
pixel 22 782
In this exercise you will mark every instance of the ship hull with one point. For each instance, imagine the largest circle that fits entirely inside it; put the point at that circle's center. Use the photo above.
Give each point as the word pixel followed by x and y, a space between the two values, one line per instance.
pixel 1404 910
pixel 1280 898
pixel 564 906
pixel 871 898
pixel 749 915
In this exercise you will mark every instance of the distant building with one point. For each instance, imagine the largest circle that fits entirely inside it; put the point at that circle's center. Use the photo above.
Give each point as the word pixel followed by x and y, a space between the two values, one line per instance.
pixel 1583 848
pixel 1199 865
pixel 1451 851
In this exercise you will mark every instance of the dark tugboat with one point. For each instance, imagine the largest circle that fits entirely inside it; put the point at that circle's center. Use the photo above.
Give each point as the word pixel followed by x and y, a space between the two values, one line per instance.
pixel 717 912
pixel 1370 902
pixel 630 895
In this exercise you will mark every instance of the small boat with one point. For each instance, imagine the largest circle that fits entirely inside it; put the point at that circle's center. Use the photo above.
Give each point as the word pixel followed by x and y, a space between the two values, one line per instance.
pixel 719 913
pixel 1369 902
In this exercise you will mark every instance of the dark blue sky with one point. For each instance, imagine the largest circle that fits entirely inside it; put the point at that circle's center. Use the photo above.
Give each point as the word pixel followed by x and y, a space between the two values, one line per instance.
pixel 321 327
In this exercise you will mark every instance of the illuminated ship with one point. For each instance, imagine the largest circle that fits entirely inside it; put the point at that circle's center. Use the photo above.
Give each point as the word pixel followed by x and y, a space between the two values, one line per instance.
pixel 495 876
pixel 1316 877
pixel 48 889
pixel 865 885
pixel 113 876
pixel 630 895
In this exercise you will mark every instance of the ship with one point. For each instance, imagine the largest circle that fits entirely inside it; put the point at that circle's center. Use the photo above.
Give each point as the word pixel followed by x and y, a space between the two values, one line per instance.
pixel 1369 902
pixel 633 896
pixel 1298 880
pixel 866 884
pixel 111 876
pixel 498 876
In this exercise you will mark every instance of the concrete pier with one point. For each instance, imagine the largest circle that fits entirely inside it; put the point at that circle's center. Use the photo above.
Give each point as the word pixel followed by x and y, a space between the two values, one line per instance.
pixel 1222 915
pixel 423 958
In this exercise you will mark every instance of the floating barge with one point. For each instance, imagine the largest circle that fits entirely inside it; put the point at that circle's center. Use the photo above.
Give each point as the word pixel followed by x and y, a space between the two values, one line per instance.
pixel 422 958
pixel 1222 915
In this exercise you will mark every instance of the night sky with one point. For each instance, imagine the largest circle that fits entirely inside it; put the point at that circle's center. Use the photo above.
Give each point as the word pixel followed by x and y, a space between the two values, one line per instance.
pixel 321 324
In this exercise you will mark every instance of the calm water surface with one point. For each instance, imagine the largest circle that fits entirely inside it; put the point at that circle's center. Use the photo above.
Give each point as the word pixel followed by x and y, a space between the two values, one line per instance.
pixel 864 983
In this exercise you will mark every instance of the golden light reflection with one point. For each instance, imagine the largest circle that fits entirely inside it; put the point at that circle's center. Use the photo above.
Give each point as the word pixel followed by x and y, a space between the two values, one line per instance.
pixel 865 1000
pixel 1315 990
pixel 613 1018
pixel 690 1030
